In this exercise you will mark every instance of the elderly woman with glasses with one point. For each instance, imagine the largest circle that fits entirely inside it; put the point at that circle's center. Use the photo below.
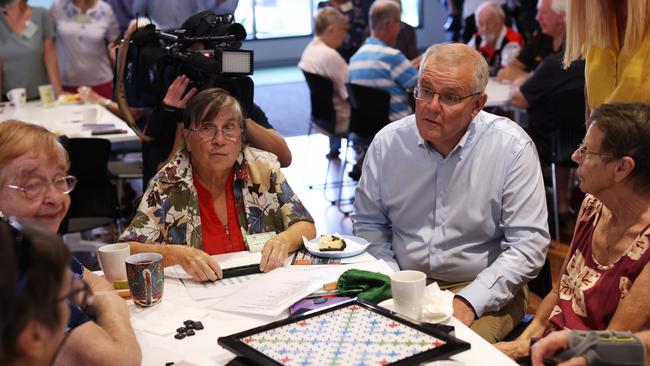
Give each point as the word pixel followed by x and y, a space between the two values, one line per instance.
pixel 214 193
pixel 605 275
pixel 34 185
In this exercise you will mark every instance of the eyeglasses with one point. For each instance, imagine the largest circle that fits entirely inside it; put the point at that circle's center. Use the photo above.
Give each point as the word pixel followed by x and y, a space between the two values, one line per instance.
pixel 583 151
pixel 230 132
pixel 80 294
pixel 36 191
pixel 448 99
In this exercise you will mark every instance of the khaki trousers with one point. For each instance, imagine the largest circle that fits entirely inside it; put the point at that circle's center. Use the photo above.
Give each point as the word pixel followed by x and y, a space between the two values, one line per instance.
pixel 494 326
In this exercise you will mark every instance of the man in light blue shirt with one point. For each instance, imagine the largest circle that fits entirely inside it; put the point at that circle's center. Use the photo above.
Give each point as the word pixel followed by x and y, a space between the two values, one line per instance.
pixel 377 64
pixel 457 193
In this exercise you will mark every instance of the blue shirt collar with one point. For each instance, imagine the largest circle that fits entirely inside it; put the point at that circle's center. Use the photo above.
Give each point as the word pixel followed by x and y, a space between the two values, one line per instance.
pixel 467 139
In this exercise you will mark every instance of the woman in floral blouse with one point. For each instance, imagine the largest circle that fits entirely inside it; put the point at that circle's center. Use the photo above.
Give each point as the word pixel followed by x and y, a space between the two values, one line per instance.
pixel 605 275
pixel 214 192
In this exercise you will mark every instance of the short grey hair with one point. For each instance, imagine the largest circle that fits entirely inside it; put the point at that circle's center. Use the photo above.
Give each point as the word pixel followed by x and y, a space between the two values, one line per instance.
pixel 382 11
pixel 493 7
pixel 456 54
pixel 325 17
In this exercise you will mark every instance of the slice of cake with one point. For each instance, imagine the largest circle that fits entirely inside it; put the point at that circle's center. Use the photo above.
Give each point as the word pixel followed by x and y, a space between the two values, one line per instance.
pixel 331 243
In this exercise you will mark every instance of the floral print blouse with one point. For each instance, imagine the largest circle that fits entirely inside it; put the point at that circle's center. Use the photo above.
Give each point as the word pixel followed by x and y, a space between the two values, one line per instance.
pixel 589 292
pixel 169 210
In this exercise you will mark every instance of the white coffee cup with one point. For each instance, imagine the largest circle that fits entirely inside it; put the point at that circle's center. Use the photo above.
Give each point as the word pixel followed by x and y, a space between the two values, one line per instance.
pixel 17 96
pixel 408 290
pixel 89 115
pixel 112 259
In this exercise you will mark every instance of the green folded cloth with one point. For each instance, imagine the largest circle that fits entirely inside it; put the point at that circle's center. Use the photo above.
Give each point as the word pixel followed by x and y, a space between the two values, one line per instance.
pixel 373 287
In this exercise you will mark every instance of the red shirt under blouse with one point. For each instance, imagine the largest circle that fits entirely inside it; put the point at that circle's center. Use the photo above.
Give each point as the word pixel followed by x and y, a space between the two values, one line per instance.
pixel 217 237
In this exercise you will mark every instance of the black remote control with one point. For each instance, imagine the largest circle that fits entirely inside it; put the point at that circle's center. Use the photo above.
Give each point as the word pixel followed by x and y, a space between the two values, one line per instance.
pixel 241 270
pixel 107 132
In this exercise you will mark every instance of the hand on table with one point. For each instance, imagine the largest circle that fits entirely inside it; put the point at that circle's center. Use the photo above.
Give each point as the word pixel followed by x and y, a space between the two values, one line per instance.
pixel 516 349
pixel 550 345
pixel 275 251
pixel 174 96
pixel 87 95
pixel 463 311
pixel 97 283
pixel 510 74
pixel 197 263
pixel 105 303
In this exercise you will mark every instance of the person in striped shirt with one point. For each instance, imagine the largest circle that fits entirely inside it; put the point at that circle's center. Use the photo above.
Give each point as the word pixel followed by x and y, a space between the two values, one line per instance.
pixel 377 64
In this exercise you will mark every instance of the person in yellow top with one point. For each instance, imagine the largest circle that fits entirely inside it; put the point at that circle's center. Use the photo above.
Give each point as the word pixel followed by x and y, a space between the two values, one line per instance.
pixel 614 38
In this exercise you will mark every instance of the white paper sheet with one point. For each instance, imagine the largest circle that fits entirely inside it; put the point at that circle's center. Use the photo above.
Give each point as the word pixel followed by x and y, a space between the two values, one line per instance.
pixel 273 292
pixel 164 318
pixel 217 289
pixel 227 260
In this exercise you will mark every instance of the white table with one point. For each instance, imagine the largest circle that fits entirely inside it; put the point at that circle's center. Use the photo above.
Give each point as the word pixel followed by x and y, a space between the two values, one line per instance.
pixel 498 93
pixel 66 119
pixel 202 349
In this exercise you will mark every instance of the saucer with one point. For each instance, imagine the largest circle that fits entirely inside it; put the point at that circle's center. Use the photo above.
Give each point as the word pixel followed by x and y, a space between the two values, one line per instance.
pixel 439 318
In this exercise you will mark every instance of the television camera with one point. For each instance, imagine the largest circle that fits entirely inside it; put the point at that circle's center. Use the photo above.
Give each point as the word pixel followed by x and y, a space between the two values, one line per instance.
pixel 206 49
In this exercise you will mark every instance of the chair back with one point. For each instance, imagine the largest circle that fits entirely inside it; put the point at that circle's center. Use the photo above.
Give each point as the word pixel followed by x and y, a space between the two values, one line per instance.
pixel 543 283
pixel 569 107
pixel 94 196
pixel 370 110
pixel 321 90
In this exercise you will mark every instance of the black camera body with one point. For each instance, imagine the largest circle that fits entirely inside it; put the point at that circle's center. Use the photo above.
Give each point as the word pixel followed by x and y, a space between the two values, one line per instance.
pixel 206 49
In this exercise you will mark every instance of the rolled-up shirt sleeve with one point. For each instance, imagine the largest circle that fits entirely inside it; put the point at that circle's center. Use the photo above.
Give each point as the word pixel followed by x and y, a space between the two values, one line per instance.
pixel 526 238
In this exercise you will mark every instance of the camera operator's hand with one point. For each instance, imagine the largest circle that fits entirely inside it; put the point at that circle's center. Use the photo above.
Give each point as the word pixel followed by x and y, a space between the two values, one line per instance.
pixel 174 96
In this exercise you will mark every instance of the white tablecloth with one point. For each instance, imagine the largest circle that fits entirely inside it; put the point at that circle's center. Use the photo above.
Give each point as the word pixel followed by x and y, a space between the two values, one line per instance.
pixel 67 120
pixel 498 93
pixel 202 349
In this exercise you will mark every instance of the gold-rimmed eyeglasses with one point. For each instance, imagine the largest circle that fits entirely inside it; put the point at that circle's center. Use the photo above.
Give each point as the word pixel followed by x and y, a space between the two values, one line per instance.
pixel 230 132
pixel 426 95
pixel 36 190
pixel 583 151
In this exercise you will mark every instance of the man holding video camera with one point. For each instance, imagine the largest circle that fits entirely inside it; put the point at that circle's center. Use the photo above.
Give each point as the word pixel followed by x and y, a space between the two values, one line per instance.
pixel 165 123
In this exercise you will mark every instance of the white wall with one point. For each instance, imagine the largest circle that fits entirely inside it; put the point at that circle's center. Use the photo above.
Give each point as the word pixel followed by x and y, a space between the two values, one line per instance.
pixel 287 51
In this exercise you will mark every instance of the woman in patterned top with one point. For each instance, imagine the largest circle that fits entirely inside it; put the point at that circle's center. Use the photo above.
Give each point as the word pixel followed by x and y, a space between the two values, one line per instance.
pixel 605 275
pixel 214 192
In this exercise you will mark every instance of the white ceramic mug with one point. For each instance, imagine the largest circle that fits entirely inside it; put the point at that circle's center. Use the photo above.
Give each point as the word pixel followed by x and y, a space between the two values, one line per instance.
pixel 408 290
pixel 89 115
pixel 112 258
pixel 17 96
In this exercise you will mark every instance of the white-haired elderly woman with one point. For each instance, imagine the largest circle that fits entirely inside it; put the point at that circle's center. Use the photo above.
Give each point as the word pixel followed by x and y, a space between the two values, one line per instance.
pixel 214 192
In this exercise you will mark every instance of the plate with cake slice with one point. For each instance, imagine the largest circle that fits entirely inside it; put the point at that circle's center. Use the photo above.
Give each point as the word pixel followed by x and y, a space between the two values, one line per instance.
pixel 336 246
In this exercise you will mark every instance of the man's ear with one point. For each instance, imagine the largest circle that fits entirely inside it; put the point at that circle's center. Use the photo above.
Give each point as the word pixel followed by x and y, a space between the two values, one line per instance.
pixel 478 104
pixel 624 167
pixel 33 340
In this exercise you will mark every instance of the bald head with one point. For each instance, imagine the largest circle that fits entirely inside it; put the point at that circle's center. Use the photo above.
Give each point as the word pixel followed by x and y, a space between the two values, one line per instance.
pixel 456 54
pixel 382 12
pixel 491 10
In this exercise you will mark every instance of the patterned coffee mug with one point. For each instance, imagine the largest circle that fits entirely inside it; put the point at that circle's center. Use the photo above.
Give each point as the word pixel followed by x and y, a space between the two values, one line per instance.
pixel 146 278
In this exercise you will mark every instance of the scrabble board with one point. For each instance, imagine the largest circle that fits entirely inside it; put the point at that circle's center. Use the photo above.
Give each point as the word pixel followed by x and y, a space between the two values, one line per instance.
pixel 348 334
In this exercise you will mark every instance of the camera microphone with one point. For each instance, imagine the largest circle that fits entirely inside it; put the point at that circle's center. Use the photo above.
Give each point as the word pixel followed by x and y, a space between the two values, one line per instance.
pixel 170 38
